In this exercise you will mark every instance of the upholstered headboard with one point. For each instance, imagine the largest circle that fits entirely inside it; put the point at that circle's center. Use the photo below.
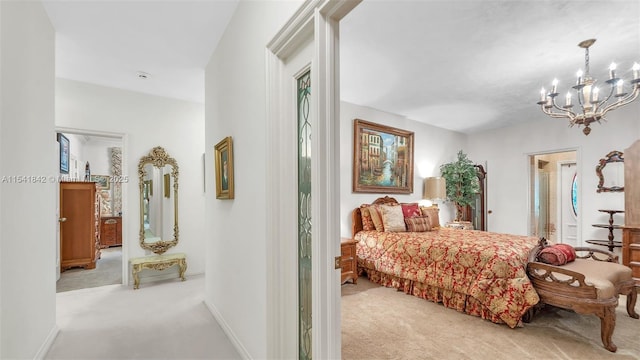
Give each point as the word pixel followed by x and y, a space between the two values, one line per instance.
pixel 356 215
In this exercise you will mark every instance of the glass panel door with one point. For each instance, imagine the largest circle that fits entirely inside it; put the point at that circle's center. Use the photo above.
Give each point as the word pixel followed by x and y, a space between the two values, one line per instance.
pixel 304 215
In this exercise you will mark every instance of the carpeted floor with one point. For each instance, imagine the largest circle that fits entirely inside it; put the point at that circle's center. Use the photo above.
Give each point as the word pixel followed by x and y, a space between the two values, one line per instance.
pixel 108 271
pixel 382 323
pixel 162 320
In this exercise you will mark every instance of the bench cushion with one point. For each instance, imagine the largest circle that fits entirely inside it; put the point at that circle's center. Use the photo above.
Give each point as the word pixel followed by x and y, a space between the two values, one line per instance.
pixel 602 275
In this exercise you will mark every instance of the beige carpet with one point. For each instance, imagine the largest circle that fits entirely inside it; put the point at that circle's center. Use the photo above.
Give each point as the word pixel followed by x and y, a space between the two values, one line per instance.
pixel 382 323
pixel 108 271
pixel 162 320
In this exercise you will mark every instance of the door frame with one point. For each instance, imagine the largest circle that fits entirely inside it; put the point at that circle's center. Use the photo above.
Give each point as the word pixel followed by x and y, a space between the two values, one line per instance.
pixel 559 202
pixel 318 19
pixel 125 203
pixel 531 171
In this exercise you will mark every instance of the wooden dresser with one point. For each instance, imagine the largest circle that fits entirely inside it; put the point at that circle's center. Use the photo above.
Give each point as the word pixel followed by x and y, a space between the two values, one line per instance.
pixel 631 229
pixel 110 231
pixel 348 260
pixel 79 225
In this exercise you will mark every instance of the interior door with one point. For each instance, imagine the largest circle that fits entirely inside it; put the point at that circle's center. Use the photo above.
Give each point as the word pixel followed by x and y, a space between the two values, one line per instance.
pixel 78 231
pixel 568 190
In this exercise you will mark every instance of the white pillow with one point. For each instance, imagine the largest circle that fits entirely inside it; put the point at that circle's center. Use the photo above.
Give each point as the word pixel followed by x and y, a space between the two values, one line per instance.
pixel 392 218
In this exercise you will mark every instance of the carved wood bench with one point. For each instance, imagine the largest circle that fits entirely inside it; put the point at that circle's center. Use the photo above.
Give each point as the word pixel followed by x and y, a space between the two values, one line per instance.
pixel 589 285
pixel 157 262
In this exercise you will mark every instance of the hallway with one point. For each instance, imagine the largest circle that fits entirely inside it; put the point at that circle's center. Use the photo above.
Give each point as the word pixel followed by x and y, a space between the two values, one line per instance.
pixel 162 320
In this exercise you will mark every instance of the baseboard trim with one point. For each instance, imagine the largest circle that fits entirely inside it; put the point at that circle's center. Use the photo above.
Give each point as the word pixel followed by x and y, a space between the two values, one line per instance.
pixel 48 342
pixel 227 330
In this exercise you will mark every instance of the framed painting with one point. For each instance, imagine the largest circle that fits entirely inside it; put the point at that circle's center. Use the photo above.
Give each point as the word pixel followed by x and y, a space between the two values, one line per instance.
pixel 382 159
pixel 224 169
pixel 64 153
pixel 102 180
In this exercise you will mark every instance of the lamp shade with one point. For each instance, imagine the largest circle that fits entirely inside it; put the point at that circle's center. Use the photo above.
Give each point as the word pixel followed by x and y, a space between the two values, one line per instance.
pixel 435 188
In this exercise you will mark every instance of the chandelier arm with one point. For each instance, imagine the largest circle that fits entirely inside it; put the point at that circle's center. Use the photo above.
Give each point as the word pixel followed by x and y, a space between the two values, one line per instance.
pixel 623 101
pixel 555 114
pixel 568 113
pixel 603 102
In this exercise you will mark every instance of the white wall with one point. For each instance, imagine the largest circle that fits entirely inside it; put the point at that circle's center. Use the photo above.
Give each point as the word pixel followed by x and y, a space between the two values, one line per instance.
pixel 27 209
pixel 235 88
pixel 147 121
pixel 433 147
pixel 98 154
pixel 506 152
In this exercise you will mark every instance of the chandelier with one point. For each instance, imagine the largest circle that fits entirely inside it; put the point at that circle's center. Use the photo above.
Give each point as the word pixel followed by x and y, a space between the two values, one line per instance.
pixel 592 106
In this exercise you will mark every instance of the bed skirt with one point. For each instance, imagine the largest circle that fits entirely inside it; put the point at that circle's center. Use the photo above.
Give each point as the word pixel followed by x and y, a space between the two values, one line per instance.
pixel 450 299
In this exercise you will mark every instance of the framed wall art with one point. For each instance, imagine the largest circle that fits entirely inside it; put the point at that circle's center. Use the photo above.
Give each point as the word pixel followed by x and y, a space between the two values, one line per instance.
pixel 224 169
pixel 64 153
pixel 102 180
pixel 382 159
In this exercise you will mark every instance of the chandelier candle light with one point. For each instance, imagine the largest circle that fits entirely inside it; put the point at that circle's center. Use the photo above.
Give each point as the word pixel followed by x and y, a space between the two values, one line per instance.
pixel 592 107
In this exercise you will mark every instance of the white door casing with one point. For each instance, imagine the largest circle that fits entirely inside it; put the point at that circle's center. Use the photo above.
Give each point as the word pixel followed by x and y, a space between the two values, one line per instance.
pixel 316 21
pixel 568 229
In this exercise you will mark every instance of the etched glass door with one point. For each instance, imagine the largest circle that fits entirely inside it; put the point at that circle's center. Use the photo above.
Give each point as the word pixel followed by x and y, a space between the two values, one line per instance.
pixel 304 215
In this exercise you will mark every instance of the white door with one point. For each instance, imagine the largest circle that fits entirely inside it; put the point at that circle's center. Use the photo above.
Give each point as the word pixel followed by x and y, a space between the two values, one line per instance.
pixel 568 187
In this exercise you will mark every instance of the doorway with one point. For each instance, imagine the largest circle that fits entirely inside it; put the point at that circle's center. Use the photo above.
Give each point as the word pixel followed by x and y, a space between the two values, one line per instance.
pixel 94 156
pixel 554 196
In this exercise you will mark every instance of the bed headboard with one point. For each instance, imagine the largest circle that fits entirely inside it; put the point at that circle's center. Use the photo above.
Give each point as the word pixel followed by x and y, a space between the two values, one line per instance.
pixel 356 216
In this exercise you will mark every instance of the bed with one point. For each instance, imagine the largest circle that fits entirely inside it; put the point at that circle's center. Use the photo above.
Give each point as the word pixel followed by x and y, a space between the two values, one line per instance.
pixel 476 272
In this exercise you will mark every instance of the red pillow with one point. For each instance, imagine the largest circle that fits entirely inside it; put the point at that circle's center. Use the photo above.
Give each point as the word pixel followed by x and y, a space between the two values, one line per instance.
pixel 558 254
pixel 411 210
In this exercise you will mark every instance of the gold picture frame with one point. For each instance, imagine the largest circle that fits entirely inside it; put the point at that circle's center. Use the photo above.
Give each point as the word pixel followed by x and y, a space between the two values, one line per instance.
pixel 382 159
pixel 224 169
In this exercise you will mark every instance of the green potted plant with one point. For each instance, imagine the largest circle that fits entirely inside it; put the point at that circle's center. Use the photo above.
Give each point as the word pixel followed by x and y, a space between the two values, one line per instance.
pixel 462 183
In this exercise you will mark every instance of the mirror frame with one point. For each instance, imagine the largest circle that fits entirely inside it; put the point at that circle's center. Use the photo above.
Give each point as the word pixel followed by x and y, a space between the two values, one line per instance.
pixel 612 157
pixel 158 157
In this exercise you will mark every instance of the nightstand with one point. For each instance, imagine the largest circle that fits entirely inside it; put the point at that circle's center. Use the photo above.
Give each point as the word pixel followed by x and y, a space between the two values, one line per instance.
pixel 348 260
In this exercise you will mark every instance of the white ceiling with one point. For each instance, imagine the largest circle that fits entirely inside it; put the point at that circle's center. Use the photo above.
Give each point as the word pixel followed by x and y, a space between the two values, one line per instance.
pixel 109 42
pixel 460 65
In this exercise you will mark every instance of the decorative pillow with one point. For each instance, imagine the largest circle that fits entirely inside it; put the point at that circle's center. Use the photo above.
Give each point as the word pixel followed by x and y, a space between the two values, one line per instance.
pixel 433 214
pixel 418 224
pixel 367 222
pixel 558 254
pixel 411 210
pixel 376 217
pixel 392 218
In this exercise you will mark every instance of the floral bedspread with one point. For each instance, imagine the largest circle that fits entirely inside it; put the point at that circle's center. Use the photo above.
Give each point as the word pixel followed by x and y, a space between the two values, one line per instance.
pixel 487 267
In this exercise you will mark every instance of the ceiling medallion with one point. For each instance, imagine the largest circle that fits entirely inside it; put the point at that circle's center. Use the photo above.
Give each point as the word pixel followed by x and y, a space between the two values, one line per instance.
pixel 592 107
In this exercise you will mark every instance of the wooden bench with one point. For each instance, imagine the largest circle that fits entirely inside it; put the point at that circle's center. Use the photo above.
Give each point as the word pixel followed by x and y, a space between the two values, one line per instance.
pixel 589 285
pixel 157 262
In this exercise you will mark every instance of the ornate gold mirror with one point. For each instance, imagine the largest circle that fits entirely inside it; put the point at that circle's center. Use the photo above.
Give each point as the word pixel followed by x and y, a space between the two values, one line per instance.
pixel 158 182
pixel 610 172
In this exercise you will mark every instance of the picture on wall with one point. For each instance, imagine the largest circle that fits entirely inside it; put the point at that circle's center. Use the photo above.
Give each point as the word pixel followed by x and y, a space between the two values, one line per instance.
pixel 64 153
pixel 224 169
pixel 102 180
pixel 382 159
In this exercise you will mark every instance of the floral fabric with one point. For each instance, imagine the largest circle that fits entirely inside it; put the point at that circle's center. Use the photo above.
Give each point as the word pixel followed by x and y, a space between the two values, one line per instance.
pixel 367 222
pixel 477 272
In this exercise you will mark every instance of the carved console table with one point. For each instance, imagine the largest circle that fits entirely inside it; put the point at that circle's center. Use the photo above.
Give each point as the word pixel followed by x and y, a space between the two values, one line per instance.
pixel 157 262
